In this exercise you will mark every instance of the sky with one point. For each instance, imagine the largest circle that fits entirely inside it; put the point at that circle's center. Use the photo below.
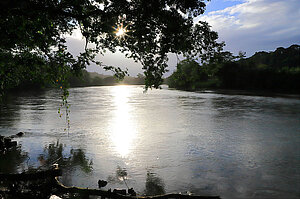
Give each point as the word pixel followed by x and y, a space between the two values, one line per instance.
pixel 244 25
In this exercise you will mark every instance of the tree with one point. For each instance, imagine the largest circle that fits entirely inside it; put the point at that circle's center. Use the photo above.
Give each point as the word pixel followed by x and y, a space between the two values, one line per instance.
pixel 33 36
pixel 188 75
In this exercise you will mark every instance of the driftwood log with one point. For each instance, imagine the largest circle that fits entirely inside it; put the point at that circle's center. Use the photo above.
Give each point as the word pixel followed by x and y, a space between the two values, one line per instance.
pixel 61 189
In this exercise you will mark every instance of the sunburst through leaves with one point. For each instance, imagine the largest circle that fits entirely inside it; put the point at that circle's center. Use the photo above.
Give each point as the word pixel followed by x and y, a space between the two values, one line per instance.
pixel 121 32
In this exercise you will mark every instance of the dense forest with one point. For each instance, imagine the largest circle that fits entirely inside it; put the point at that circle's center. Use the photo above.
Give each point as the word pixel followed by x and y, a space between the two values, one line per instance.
pixel 84 79
pixel 96 79
pixel 278 71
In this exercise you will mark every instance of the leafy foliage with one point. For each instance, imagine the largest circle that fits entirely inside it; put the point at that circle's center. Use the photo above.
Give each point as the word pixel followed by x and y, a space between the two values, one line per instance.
pixel 187 76
pixel 276 71
pixel 33 37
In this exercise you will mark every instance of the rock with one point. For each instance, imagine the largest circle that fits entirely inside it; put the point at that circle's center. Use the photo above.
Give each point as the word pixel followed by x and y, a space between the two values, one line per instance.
pixel 7 141
pixel 1 142
pixel 102 183
pixel 11 144
pixel 131 192
pixel 20 134
pixel 120 191
pixel 1 145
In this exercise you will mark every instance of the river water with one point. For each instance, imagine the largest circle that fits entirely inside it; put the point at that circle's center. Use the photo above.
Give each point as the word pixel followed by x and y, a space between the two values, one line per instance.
pixel 162 141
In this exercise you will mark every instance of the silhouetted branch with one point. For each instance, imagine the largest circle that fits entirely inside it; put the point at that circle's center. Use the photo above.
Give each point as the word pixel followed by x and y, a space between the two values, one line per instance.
pixel 109 194
pixel 54 173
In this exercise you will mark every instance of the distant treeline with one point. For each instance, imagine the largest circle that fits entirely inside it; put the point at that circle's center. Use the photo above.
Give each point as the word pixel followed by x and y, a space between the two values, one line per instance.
pixel 273 71
pixel 95 79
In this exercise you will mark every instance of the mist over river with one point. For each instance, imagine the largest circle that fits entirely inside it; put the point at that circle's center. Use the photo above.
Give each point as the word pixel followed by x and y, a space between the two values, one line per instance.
pixel 234 146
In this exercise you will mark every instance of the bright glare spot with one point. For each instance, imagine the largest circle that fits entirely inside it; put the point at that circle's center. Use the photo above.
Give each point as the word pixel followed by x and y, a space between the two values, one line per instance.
pixel 54 197
pixel 122 126
pixel 120 32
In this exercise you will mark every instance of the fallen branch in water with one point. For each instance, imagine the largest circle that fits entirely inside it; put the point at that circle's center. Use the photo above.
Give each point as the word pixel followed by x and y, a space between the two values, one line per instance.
pixel 109 194
pixel 62 189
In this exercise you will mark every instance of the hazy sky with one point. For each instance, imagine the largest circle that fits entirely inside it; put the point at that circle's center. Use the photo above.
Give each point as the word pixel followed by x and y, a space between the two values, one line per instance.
pixel 244 25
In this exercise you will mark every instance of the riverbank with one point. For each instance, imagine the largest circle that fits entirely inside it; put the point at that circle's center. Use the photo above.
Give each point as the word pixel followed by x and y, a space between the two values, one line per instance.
pixel 262 93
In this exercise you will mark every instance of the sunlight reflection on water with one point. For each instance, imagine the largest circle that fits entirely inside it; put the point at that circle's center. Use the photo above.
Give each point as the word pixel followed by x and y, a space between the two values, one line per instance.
pixel 123 128
pixel 235 146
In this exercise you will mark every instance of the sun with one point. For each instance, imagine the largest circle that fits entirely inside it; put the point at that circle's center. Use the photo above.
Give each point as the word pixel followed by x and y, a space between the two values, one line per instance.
pixel 121 32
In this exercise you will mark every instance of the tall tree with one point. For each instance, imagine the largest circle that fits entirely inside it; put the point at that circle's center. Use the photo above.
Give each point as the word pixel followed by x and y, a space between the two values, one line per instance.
pixel 33 36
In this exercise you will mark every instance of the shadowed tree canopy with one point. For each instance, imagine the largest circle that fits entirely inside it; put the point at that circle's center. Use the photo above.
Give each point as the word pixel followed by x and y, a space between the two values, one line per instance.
pixel 277 71
pixel 33 35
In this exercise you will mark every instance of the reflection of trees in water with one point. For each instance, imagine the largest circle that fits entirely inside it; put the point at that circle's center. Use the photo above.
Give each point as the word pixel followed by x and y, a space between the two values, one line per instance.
pixel 120 176
pixel 54 154
pixel 69 164
pixel 9 113
pixel 15 159
pixel 41 188
pixel 154 185
pixel 12 159
pixel 12 104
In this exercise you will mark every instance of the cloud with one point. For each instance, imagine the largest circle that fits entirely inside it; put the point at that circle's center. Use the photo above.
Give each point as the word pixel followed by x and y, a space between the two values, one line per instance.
pixel 245 25
pixel 256 25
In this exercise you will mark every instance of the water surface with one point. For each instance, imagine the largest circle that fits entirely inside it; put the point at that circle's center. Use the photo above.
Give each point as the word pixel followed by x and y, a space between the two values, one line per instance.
pixel 234 146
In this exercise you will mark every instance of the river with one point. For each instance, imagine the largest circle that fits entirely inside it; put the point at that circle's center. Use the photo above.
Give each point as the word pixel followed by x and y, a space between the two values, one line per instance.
pixel 234 146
